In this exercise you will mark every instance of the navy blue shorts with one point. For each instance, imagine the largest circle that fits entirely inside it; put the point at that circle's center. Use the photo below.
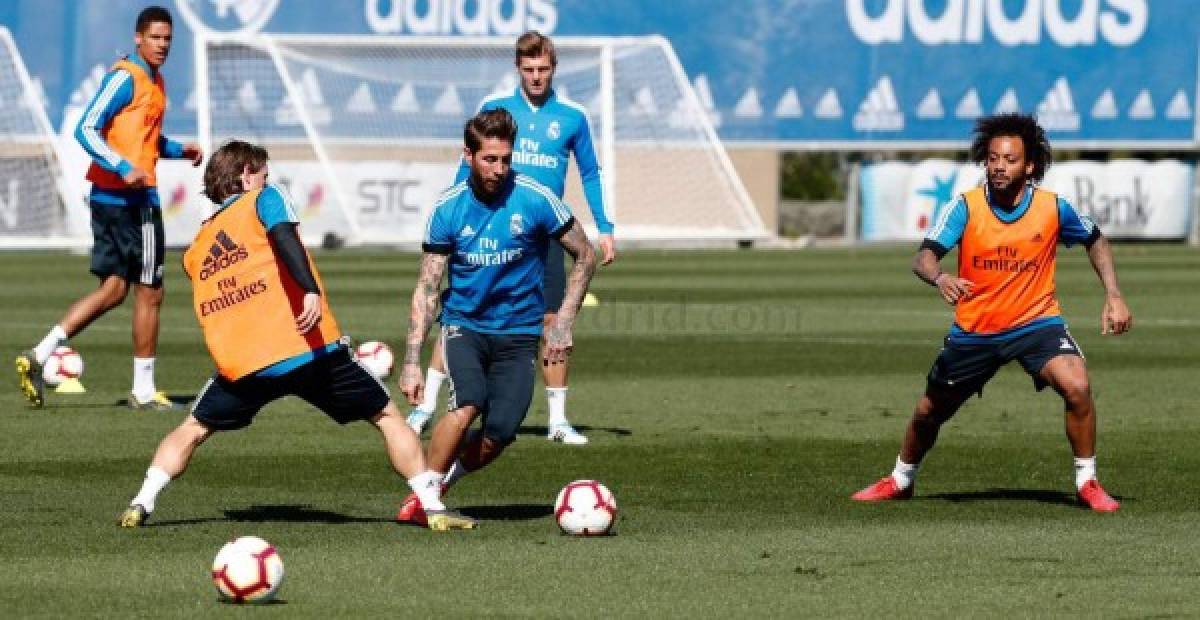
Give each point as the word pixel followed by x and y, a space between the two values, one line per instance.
pixel 973 365
pixel 335 383
pixel 493 372
pixel 128 242
pixel 554 282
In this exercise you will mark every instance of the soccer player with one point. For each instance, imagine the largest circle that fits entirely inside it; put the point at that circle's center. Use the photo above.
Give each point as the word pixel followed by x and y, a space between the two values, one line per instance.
pixel 268 326
pixel 549 128
pixel 122 130
pixel 1005 303
pixel 492 233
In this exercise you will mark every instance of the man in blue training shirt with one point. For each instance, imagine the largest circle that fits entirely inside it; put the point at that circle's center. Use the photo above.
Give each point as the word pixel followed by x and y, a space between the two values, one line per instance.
pixel 122 131
pixel 549 128
pixel 492 233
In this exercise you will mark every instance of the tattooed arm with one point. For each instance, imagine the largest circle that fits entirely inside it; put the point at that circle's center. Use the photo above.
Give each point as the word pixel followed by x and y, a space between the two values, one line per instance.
pixel 421 315
pixel 558 336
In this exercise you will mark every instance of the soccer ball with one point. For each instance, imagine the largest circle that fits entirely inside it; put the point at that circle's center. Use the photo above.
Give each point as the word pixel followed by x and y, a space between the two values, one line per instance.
pixel 64 363
pixel 377 357
pixel 247 570
pixel 585 508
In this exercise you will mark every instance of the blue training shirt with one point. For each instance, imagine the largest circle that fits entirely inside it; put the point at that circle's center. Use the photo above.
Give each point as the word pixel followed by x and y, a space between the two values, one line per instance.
pixel 116 92
pixel 545 138
pixel 274 206
pixel 497 254
pixel 947 231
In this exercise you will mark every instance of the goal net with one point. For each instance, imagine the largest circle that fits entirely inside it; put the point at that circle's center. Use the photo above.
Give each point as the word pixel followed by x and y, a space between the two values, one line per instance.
pixel 366 131
pixel 33 195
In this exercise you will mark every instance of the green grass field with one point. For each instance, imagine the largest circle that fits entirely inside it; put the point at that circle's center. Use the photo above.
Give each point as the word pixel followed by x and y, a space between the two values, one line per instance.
pixel 734 400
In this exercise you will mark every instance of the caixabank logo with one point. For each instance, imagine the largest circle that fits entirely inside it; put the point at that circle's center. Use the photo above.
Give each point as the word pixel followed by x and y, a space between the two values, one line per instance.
pixel 224 253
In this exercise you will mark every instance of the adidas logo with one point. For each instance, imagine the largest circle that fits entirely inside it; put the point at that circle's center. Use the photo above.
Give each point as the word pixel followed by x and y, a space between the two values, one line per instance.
pixel 222 254
pixel 467 231
pixel 1057 112
pixel 1037 237
pixel 880 111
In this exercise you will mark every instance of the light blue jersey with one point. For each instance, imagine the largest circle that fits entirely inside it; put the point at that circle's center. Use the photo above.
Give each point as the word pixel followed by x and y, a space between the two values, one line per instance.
pixel 497 254
pixel 545 138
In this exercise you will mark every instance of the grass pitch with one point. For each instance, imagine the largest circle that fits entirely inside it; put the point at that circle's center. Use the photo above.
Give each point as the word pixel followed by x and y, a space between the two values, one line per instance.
pixel 734 401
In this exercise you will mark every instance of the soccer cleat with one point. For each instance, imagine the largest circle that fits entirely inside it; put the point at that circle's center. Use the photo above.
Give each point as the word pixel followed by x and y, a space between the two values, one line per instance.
pixel 883 490
pixel 134 516
pixel 445 520
pixel 158 402
pixel 29 376
pixel 566 434
pixel 417 419
pixel 1094 497
pixel 411 511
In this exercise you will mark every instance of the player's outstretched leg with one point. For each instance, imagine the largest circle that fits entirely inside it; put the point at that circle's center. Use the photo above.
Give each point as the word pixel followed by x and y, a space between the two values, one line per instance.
pixel 424 503
pixel 934 408
pixel 170 461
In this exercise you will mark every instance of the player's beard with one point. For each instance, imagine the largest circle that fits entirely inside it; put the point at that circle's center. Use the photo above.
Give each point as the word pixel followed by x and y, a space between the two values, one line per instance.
pixel 1004 187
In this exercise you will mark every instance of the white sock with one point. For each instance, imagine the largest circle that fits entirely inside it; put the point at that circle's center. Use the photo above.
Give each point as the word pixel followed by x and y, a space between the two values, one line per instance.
pixel 433 384
pixel 428 487
pixel 1085 469
pixel 556 402
pixel 457 470
pixel 48 344
pixel 143 378
pixel 904 474
pixel 156 480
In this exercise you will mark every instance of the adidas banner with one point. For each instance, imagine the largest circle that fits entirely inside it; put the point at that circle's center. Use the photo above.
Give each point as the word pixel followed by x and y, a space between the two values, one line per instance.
pixel 812 73
pixel 390 200
pixel 1128 199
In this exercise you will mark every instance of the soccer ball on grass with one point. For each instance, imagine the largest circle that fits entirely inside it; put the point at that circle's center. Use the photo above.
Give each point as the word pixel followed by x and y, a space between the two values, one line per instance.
pixel 247 570
pixel 585 508
pixel 63 364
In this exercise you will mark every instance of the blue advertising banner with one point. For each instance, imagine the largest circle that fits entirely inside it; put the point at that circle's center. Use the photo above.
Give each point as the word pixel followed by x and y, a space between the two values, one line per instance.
pixel 793 73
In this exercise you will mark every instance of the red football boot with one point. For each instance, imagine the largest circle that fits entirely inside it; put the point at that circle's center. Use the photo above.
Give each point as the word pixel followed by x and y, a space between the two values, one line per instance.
pixel 411 511
pixel 884 490
pixel 1094 497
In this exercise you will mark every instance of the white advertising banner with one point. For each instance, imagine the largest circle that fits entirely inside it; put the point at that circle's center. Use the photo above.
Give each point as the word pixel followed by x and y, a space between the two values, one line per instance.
pixel 1128 199
pixel 388 200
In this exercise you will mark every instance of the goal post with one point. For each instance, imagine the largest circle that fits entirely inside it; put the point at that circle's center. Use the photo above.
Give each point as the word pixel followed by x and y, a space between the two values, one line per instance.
pixel 35 196
pixel 365 131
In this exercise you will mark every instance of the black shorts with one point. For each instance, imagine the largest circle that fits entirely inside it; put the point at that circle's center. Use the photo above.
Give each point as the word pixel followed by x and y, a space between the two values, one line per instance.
pixel 493 372
pixel 554 283
pixel 973 365
pixel 335 383
pixel 128 242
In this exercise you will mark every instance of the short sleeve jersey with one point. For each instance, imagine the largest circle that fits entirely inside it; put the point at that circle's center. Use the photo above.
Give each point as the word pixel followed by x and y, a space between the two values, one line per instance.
pixel 497 254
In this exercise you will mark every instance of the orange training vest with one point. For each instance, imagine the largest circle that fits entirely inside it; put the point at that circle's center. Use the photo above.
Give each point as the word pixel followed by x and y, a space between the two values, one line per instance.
pixel 133 132
pixel 246 305
pixel 1011 264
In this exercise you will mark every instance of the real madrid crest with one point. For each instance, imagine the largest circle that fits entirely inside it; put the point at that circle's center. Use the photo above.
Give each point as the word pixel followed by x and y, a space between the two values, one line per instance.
pixel 554 130
pixel 516 225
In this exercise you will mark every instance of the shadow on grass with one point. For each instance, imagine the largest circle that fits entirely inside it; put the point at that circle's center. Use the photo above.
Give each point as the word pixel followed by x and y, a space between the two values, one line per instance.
pixel 508 512
pixel 284 513
pixel 1021 495
pixel 612 430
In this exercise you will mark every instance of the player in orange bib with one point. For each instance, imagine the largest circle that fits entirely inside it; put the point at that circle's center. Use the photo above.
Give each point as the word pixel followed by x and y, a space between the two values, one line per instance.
pixel 1004 298
pixel 268 326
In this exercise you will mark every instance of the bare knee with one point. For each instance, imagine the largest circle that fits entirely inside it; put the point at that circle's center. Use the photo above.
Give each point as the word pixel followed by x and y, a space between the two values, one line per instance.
pixel 113 292
pixel 150 295
pixel 1077 395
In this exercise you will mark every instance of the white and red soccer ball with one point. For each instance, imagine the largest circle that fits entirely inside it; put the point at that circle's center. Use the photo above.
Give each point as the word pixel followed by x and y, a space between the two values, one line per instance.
pixel 377 357
pixel 247 570
pixel 63 364
pixel 585 508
